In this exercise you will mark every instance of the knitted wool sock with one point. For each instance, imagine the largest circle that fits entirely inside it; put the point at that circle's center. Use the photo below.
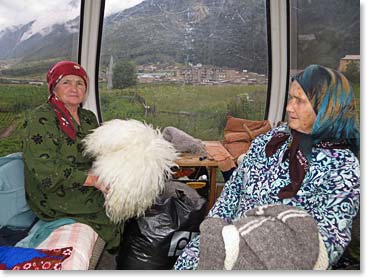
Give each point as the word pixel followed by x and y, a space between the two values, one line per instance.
pixel 322 262
pixel 268 237
pixel 277 237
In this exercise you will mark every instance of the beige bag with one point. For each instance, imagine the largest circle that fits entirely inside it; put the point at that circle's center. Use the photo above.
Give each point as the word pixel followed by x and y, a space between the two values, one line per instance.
pixel 239 133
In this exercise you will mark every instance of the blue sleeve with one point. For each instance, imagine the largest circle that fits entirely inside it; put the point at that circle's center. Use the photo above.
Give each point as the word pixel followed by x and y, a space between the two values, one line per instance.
pixel 189 258
pixel 227 203
pixel 338 206
pixel 226 207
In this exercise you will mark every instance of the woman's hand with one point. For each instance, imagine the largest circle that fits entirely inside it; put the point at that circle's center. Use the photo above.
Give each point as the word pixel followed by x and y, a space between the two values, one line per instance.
pixel 92 181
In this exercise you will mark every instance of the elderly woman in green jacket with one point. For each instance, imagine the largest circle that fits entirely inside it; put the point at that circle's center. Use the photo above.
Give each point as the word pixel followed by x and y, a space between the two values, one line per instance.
pixel 57 182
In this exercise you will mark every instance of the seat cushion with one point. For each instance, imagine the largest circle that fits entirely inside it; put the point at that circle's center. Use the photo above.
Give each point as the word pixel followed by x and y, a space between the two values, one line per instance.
pixel 14 210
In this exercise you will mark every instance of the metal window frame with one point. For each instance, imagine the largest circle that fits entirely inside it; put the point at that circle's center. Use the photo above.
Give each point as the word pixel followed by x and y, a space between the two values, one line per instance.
pixel 279 22
pixel 92 14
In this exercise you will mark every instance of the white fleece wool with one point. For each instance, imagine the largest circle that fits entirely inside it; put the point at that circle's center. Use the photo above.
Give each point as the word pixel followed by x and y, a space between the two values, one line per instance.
pixel 134 160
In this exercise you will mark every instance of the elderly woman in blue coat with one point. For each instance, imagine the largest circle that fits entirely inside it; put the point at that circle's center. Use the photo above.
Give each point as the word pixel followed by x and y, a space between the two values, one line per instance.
pixel 309 163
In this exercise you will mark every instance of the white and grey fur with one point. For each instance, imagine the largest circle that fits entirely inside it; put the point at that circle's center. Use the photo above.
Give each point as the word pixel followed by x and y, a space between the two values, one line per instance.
pixel 134 160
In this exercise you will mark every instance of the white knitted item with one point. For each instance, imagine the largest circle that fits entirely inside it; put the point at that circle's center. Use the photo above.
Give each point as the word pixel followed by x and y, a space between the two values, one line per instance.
pixel 231 239
pixel 134 160
pixel 322 262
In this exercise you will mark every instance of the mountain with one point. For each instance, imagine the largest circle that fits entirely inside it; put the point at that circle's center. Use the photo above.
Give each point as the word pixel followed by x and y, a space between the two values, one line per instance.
pixel 52 42
pixel 166 31
pixel 206 31
pixel 225 33
pixel 335 26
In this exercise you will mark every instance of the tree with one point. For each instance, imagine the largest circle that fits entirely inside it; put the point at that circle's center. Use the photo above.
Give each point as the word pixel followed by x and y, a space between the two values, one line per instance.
pixel 352 72
pixel 124 74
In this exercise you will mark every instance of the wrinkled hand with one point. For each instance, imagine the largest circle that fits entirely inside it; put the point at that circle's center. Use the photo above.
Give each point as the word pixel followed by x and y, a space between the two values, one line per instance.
pixel 92 181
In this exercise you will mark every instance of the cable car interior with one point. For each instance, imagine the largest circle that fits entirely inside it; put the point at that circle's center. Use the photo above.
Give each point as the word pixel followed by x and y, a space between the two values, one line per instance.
pixel 193 65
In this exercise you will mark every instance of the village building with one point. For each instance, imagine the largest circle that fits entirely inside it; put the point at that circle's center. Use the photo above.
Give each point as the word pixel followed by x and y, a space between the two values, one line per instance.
pixel 348 59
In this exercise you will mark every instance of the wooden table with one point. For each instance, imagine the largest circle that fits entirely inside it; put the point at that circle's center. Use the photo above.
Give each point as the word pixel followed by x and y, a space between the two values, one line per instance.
pixel 191 160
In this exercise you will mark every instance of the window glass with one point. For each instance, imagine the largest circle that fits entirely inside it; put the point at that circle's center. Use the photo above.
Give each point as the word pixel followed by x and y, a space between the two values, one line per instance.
pixel 184 63
pixel 33 36
pixel 327 32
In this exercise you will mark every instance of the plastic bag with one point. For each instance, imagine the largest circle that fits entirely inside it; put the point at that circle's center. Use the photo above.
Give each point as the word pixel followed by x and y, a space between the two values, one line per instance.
pixel 154 241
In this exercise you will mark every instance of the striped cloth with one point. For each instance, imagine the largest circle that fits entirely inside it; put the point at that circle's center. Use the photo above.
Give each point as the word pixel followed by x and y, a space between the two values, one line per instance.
pixel 78 235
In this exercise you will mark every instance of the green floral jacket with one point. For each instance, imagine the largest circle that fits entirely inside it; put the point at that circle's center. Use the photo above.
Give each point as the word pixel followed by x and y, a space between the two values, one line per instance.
pixel 55 170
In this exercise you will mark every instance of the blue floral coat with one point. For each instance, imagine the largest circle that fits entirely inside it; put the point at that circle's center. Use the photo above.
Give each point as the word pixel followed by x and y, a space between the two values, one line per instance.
pixel 330 193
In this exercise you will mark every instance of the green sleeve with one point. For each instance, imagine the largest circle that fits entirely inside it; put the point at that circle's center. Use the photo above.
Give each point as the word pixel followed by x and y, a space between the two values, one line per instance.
pixel 49 157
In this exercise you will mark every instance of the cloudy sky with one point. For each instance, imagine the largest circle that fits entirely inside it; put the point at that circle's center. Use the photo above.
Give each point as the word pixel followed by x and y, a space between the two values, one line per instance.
pixel 48 12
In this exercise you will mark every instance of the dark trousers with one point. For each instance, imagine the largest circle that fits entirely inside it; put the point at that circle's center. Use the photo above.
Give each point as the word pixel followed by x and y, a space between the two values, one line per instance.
pixel 227 174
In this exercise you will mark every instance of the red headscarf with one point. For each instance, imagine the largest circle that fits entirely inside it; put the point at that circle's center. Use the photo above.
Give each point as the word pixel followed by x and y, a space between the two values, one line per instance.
pixel 54 75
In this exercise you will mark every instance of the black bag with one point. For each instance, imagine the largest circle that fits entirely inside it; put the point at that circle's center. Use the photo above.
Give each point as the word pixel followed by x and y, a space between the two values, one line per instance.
pixel 155 240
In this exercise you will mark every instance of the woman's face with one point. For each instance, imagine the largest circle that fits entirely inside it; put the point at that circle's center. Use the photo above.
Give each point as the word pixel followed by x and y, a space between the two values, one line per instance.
pixel 301 115
pixel 71 90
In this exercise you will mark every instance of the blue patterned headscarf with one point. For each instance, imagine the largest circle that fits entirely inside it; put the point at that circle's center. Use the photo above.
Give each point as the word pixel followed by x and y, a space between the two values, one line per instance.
pixel 332 98
pixel 335 126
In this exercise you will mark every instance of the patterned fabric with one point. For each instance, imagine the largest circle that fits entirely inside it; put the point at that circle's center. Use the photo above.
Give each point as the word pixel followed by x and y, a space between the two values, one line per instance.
pixel 55 171
pixel 63 117
pixel 332 98
pixel 17 258
pixel 298 164
pixel 78 235
pixel 54 75
pixel 297 160
pixel 329 193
